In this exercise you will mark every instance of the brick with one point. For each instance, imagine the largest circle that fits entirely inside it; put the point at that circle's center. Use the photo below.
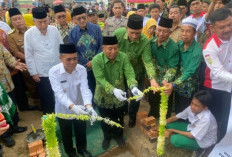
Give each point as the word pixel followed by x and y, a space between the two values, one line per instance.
pixel 32 154
pixel 153 133
pixel 167 134
pixel 39 151
pixel 149 121
pixel 42 154
pixel 141 115
pixel 149 127
pixel 146 133
pixel 34 147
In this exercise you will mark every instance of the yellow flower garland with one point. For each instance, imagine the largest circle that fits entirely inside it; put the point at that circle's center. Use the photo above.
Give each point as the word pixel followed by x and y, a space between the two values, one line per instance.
pixel 49 127
pixel 162 120
pixel 49 124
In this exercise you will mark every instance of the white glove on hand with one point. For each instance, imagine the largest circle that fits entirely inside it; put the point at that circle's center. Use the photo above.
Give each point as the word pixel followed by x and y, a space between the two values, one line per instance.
pixel 92 113
pixel 136 92
pixel 120 95
pixel 79 109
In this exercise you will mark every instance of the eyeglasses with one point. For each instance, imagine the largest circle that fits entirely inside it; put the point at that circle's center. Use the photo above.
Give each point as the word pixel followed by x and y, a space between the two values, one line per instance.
pixel 61 17
pixel 71 59
pixel 81 17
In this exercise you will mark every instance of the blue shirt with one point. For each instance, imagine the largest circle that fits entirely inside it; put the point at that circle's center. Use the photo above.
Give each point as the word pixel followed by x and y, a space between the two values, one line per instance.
pixel 88 42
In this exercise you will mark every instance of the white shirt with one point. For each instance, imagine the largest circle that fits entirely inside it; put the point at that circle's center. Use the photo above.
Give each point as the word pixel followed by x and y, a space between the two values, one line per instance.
pixel 4 26
pixel 42 51
pixel 69 88
pixel 145 20
pixel 203 126
pixel 218 57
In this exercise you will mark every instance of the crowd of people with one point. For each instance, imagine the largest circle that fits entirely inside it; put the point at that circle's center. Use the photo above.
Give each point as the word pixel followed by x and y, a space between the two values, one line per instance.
pixel 82 58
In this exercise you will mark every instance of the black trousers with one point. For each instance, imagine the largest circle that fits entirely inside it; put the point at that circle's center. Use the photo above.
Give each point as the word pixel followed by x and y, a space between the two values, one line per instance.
pixel 134 105
pixel 154 101
pixel 21 99
pixel 220 108
pixel 92 84
pixel 80 135
pixel 181 102
pixel 116 115
pixel 46 95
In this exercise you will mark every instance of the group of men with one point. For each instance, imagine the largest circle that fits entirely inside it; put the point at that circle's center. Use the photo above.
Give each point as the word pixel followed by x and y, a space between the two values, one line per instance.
pixel 69 63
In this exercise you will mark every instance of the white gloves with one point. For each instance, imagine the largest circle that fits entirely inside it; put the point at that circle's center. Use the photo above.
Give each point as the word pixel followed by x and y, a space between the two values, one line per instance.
pixel 92 113
pixel 136 92
pixel 120 95
pixel 79 109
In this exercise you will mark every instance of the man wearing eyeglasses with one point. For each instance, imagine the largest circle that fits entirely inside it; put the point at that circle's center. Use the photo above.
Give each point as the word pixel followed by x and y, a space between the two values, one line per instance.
pixel 87 38
pixel 61 22
pixel 41 46
pixel 70 85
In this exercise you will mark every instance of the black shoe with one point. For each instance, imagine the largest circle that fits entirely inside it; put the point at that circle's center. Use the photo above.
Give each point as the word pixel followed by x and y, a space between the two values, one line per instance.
pixel 120 141
pixel 131 123
pixel 105 143
pixel 85 153
pixel 9 141
pixel 18 129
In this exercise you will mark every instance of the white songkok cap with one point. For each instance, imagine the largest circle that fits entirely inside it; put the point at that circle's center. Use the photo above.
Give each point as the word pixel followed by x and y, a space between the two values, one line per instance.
pixel 190 21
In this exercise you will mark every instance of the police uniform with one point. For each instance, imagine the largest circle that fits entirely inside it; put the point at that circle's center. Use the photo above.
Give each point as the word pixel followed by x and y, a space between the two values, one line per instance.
pixel 113 23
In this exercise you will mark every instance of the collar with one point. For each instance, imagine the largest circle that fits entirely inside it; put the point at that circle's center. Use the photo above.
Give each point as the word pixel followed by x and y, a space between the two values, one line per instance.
pixel 68 24
pixel 201 14
pixel 63 71
pixel 127 38
pixel 17 31
pixel 189 49
pixel 117 59
pixel 86 28
pixel 164 44
pixel 178 26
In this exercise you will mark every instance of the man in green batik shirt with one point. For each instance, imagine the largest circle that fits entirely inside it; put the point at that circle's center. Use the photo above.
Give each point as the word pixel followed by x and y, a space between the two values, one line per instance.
pixel 165 54
pixel 186 80
pixel 138 49
pixel 111 67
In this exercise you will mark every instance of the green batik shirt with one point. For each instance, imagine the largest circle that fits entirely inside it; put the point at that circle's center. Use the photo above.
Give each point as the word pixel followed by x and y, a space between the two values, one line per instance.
pixel 139 53
pixel 165 58
pixel 110 75
pixel 64 32
pixel 187 75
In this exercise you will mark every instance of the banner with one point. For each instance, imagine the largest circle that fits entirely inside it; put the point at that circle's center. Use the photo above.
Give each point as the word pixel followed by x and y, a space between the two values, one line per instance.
pixel 24 5
pixel 224 147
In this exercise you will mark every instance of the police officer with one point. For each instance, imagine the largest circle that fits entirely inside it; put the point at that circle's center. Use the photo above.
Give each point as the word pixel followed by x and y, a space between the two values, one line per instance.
pixel 117 21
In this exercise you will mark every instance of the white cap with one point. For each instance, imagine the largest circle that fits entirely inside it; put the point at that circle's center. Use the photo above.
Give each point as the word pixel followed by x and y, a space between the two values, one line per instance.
pixel 190 21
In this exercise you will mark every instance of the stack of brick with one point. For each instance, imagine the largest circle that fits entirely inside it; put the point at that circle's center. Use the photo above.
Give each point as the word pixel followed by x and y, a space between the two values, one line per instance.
pixel 147 125
pixel 36 149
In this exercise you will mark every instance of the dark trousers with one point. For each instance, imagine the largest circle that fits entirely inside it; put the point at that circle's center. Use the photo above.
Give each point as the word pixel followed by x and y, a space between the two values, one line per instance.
pixel 220 108
pixel 181 102
pixel 133 106
pixel 80 135
pixel 91 83
pixel 46 95
pixel 154 101
pixel 116 115
pixel 21 99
